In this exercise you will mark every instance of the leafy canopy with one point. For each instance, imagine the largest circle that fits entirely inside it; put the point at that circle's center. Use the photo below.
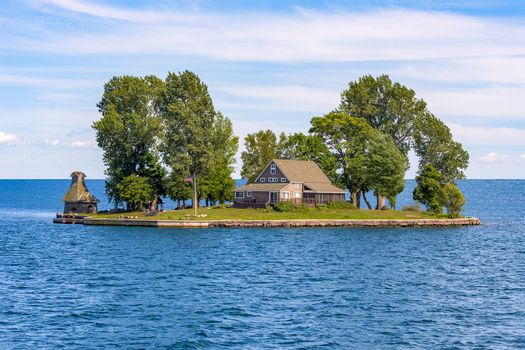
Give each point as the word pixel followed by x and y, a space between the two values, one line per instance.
pixel 130 131
pixel 136 190
pixel 260 149
pixel 389 107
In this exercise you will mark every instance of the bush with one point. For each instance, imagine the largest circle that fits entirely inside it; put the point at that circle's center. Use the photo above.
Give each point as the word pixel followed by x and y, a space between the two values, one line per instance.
pixel 340 205
pixel 288 206
pixel 453 199
pixel 412 207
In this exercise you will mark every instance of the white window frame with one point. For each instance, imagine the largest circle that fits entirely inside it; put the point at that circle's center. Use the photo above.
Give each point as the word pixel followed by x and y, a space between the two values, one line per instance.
pixel 297 194
pixel 286 195
pixel 237 192
pixel 283 179
pixel 273 168
pixel 248 193
pixel 262 179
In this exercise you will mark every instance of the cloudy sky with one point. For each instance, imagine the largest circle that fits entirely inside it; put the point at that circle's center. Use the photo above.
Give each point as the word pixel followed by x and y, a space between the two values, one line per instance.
pixel 268 64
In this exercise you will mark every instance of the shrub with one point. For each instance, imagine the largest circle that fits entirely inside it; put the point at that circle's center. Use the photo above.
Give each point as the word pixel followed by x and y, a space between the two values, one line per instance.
pixel 288 206
pixel 453 199
pixel 340 205
pixel 428 189
pixel 412 207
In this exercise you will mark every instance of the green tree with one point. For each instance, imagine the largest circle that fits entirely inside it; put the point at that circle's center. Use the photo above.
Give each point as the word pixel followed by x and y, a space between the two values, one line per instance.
pixel 188 114
pixel 428 190
pixel 299 146
pixel 434 145
pixel 452 199
pixel 129 132
pixel 217 184
pixel 385 168
pixel 178 189
pixel 260 149
pixel 389 107
pixel 136 190
pixel 353 141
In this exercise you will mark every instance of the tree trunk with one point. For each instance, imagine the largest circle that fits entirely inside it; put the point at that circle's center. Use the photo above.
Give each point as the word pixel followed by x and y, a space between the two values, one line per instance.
pixel 366 200
pixel 358 199
pixel 354 198
pixel 380 201
pixel 195 199
pixel 154 204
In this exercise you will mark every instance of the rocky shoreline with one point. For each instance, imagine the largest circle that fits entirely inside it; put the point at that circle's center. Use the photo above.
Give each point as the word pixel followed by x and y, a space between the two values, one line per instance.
pixel 283 223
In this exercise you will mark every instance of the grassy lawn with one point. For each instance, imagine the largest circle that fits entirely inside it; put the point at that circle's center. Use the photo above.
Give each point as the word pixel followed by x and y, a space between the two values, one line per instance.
pixel 263 214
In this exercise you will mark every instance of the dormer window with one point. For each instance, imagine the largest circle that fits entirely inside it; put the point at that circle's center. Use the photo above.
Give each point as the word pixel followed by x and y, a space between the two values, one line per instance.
pixel 262 179
pixel 273 168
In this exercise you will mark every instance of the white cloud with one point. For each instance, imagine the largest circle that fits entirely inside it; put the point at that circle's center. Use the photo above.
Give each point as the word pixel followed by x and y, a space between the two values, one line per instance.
pixel 24 80
pixel 53 142
pixel 302 36
pixel 488 136
pixel 522 156
pixel 81 144
pixel 8 139
pixel 491 102
pixel 493 157
pixel 111 12
pixel 281 97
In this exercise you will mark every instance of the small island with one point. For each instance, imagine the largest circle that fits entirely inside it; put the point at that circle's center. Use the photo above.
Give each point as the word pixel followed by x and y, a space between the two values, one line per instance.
pixel 164 139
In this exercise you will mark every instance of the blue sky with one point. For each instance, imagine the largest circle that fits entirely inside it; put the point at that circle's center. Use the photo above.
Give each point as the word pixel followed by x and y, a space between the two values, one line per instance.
pixel 268 64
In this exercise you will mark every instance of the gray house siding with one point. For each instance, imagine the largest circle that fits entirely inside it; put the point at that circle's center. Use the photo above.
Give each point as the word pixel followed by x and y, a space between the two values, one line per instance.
pixel 267 174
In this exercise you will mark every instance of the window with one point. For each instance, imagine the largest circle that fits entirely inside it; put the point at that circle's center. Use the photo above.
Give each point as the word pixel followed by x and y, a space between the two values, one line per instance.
pixel 273 179
pixel 239 194
pixel 263 179
pixel 273 169
pixel 286 195
pixel 248 193
pixel 297 194
pixel 283 179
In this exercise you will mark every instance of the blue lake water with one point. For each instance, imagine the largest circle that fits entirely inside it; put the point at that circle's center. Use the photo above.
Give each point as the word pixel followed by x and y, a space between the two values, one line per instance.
pixel 74 286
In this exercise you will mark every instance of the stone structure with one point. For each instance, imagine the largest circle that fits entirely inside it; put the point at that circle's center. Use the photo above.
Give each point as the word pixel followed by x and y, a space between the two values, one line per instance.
pixel 284 223
pixel 78 199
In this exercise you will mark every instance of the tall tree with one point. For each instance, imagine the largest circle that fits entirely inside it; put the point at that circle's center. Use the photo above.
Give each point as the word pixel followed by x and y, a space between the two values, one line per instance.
pixel 385 168
pixel 389 107
pixel 299 146
pixel 260 149
pixel 348 138
pixel 129 132
pixel 434 145
pixel 217 184
pixel 188 114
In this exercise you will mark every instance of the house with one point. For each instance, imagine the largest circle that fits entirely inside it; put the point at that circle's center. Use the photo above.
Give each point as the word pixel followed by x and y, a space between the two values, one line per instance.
pixel 299 181
pixel 78 199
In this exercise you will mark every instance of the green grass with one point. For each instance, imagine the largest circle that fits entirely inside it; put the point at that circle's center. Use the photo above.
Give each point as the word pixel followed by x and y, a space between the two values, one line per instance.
pixel 263 214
